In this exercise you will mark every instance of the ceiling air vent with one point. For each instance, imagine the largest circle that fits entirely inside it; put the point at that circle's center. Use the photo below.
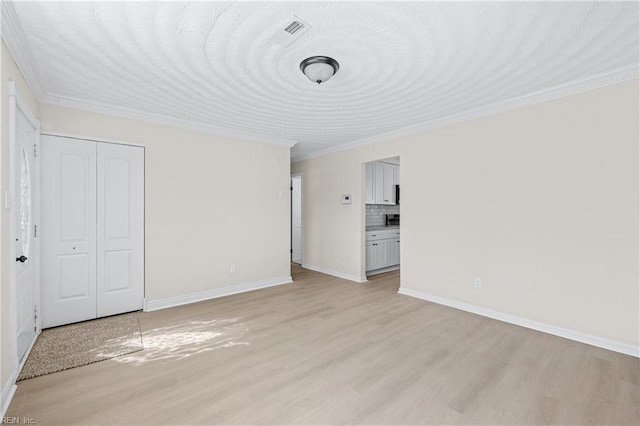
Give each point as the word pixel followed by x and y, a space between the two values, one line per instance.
pixel 290 31
pixel 294 27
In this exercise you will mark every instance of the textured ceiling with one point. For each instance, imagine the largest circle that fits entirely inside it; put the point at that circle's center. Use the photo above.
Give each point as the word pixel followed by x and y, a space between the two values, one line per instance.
pixel 402 65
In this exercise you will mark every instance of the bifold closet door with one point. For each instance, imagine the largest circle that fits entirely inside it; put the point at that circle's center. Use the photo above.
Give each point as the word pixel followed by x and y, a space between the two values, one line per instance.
pixel 92 229
pixel 120 218
pixel 68 234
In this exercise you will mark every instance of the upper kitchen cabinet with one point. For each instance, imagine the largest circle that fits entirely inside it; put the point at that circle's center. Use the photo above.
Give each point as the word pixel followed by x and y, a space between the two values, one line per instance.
pixel 381 180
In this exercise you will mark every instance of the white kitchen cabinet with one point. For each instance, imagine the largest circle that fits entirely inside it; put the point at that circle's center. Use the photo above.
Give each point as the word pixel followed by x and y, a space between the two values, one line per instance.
pixel 380 183
pixel 388 184
pixel 393 251
pixel 382 249
pixel 376 254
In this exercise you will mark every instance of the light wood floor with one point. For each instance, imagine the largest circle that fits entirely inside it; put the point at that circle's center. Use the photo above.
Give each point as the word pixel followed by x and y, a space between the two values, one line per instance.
pixel 329 351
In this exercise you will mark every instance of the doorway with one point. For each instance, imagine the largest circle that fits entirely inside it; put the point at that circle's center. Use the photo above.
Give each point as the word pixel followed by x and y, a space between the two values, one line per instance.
pixel 382 216
pixel 24 202
pixel 296 218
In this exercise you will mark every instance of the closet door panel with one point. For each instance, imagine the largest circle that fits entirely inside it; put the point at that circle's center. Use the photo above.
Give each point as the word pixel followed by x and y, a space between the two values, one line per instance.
pixel 120 218
pixel 68 231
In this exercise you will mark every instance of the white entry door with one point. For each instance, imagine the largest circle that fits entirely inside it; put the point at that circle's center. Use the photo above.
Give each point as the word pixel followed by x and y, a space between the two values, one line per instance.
pixel 25 203
pixel 296 219
pixel 92 229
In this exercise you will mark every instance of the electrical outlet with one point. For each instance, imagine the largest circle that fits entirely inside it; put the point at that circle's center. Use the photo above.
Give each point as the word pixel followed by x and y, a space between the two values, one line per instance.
pixel 477 282
pixel 232 269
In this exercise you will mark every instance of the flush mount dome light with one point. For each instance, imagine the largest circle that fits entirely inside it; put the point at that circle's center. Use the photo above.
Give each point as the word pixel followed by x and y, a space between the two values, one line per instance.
pixel 319 68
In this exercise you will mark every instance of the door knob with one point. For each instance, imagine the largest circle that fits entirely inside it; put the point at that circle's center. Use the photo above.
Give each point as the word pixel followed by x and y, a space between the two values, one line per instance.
pixel 22 258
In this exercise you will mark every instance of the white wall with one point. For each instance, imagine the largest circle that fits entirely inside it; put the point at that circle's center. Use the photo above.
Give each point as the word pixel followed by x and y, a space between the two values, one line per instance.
pixel 541 202
pixel 9 72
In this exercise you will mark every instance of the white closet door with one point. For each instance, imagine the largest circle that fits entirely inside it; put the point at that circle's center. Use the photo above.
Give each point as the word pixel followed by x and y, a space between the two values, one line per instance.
pixel 120 244
pixel 68 202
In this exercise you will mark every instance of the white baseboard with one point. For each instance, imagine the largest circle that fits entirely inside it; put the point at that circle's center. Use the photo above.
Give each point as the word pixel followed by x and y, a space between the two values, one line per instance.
pixel 170 302
pixel 578 336
pixel 10 387
pixel 335 273
pixel 8 391
pixel 383 270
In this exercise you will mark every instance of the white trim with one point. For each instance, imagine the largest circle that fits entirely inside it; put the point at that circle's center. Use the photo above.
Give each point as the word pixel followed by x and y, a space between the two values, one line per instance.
pixel 335 273
pixel 90 138
pixel 571 88
pixel 297 175
pixel 383 270
pixel 170 302
pixel 19 47
pixel 578 336
pixel 8 391
pixel 13 114
pixel 166 120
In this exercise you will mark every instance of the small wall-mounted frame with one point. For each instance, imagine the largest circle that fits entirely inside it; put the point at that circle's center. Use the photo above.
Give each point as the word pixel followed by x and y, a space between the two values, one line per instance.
pixel 346 199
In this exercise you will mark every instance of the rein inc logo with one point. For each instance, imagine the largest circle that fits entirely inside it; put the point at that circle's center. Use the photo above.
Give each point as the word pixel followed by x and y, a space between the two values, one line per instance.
pixel 17 421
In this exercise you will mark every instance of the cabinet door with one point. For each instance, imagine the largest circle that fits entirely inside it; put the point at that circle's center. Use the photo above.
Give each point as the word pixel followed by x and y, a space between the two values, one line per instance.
pixel 380 254
pixel 370 256
pixel 376 257
pixel 393 252
pixel 370 184
pixel 388 188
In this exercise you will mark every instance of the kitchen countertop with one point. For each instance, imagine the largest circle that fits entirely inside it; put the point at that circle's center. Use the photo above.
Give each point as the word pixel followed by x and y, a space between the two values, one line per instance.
pixel 381 228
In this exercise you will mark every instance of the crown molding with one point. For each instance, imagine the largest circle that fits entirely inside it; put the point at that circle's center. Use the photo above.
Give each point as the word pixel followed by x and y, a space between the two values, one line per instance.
pixel 18 46
pixel 16 41
pixel 571 88
pixel 166 120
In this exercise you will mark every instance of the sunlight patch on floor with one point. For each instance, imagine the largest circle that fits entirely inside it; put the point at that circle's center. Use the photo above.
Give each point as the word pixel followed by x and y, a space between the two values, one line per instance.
pixel 188 339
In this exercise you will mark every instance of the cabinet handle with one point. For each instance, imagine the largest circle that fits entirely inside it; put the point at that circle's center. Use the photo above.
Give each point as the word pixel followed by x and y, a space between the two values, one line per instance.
pixel 374 235
pixel 375 244
pixel 21 259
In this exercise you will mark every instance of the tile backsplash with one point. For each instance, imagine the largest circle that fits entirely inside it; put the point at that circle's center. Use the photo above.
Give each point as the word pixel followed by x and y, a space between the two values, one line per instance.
pixel 375 213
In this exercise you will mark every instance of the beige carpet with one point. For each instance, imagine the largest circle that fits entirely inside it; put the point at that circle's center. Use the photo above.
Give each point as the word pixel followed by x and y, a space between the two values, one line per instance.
pixel 74 345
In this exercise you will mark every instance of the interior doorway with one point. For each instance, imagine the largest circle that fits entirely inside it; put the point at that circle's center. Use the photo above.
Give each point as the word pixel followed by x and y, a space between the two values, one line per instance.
pixel 382 216
pixel 296 218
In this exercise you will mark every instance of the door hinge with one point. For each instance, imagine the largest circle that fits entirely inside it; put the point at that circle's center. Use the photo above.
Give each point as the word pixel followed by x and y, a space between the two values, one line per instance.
pixel 35 318
pixel 291 251
pixel 35 231
pixel 291 188
pixel 35 150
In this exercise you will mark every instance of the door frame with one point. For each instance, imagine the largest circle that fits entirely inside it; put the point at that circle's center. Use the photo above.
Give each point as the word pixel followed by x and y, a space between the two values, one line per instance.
pixel 144 192
pixel 18 104
pixel 296 175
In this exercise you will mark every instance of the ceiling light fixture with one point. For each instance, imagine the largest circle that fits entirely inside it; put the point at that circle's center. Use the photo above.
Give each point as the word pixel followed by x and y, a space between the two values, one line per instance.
pixel 319 68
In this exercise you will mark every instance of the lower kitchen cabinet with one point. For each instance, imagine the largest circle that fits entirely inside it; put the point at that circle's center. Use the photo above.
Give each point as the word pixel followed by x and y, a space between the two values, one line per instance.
pixel 393 252
pixel 383 249
pixel 376 254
